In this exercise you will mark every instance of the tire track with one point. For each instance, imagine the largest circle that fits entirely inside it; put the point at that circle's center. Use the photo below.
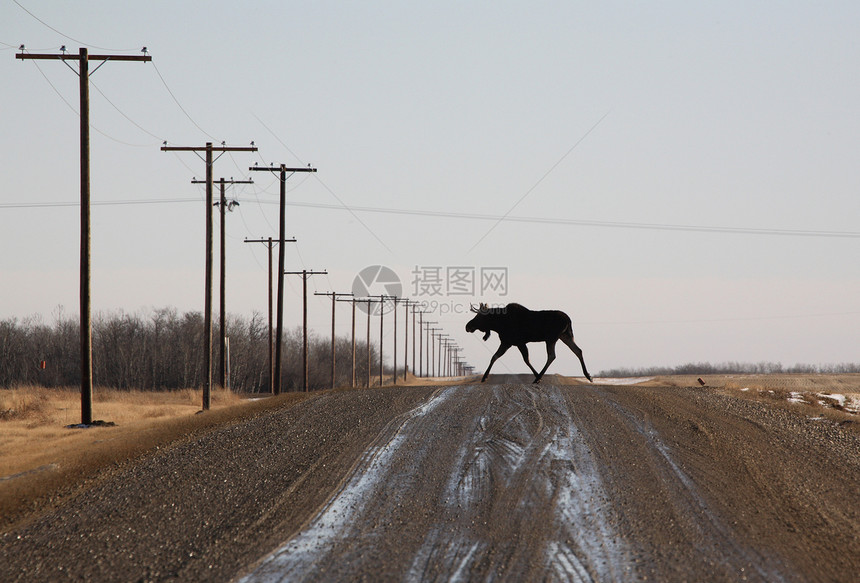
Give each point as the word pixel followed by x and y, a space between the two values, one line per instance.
pixel 550 490
pixel 335 522
pixel 517 496
pixel 717 541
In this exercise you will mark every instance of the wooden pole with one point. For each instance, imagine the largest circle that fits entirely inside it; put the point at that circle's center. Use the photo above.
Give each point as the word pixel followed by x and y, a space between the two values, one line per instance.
pixel 269 243
pixel 305 274
pixel 207 294
pixel 222 302
pixel 86 309
pixel 381 319
pixel 86 335
pixel 394 343
pixel 353 301
pixel 282 227
pixel 353 342
pixel 414 370
pixel 305 330
pixel 207 315
pixel 333 341
pixel 271 344
pixel 333 337
pixel 405 340
pixel 368 343
pixel 421 344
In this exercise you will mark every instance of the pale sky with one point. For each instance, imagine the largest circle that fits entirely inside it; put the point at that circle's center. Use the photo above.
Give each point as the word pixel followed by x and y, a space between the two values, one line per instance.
pixel 739 116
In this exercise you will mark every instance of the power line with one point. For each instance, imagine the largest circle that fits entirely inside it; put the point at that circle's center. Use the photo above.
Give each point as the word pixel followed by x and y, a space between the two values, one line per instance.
pixel 330 191
pixel 716 320
pixel 122 113
pixel 536 184
pixel 486 217
pixel 77 113
pixel 62 34
pixel 96 203
pixel 588 223
pixel 160 76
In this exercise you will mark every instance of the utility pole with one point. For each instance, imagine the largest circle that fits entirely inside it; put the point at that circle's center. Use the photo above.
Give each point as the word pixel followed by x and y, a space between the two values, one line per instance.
pixel 333 337
pixel 420 343
pixel 455 360
pixel 352 301
pixel 83 57
pixel 369 314
pixel 305 275
pixel 394 350
pixel 207 338
pixel 381 300
pixel 406 303
pixel 427 346
pixel 414 370
pixel 223 206
pixel 433 332
pixel 270 243
pixel 282 171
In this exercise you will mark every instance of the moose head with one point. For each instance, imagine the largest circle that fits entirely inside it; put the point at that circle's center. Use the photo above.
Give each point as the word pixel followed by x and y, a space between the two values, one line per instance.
pixel 481 321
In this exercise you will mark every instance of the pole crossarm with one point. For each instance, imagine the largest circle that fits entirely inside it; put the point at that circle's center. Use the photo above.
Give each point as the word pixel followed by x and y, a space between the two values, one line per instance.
pixel 74 57
pixel 210 147
pixel 282 168
pixel 273 241
pixel 223 181
pixel 306 273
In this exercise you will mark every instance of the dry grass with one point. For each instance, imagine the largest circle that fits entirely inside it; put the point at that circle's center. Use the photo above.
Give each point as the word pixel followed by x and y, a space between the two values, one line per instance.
pixel 832 397
pixel 40 458
pixel 837 383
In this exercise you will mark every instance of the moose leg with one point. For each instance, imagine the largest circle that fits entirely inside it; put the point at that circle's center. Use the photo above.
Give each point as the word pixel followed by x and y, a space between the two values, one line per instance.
pixel 550 356
pixel 502 349
pixel 567 338
pixel 524 350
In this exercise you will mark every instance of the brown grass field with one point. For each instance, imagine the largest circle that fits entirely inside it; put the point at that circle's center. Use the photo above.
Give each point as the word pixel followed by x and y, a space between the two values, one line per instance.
pixel 41 460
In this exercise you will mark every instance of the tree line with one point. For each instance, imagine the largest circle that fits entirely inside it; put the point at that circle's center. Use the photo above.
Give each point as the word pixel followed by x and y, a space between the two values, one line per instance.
pixel 700 368
pixel 163 350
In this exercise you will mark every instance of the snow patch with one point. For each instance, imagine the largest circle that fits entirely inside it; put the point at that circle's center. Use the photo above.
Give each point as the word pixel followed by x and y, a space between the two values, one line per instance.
pixel 335 520
pixel 621 381
pixel 840 399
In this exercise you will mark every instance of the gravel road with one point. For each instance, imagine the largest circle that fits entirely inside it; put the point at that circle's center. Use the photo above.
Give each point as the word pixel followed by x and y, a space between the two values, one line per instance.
pixel 473 483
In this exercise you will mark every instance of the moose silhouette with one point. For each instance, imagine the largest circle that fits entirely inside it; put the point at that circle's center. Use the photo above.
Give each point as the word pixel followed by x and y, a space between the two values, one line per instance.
pixel 517 325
